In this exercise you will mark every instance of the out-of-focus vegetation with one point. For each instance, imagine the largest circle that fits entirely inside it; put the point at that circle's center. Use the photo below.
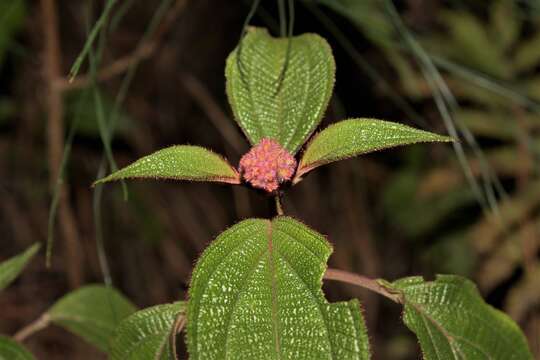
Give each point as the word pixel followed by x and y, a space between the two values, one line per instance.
pixel 11 21
pixel 489 57
pixel 160 74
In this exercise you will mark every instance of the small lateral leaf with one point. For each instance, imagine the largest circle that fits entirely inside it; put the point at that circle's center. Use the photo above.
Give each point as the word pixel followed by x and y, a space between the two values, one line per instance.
pixel 180 162
pixel 10 269
pixel 92 312
pixel 256 294
pixel 452 321
pixel 12 350
pixel 353 137
pixel 279 88
pixel 146 334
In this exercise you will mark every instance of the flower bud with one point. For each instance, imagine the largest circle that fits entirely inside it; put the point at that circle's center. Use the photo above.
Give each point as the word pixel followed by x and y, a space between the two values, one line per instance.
pixel 267 165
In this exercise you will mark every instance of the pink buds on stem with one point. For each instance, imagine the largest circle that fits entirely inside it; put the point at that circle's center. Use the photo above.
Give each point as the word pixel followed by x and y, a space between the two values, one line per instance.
pixel 267 165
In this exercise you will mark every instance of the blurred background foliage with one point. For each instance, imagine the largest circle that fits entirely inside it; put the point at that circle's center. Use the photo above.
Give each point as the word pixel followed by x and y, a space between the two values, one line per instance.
pixel 156 78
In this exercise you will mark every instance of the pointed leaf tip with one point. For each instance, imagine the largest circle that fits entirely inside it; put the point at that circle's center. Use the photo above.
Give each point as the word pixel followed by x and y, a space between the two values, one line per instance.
pixel 180 162
pixel 353 137
pixel 279 88
pixel 11 268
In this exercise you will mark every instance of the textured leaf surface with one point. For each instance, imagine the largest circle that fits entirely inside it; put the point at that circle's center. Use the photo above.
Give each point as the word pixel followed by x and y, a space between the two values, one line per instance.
pixel 12 350
pixel 145 335
pixel 92 312
pixel 452 321
pixel 289 110
pixel 180 162
pixel 10 269
pixel 353 137
pixel 256 294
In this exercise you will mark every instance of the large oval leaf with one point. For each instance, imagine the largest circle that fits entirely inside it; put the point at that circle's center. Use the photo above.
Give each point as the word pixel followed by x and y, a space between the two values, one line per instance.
pixel 353 137
pixel 452 321
pixel 10 269
pixel 92 312
pixel 145 335
pixel 275 97
pixel 12 350
pixel 256 294
pixel 180 162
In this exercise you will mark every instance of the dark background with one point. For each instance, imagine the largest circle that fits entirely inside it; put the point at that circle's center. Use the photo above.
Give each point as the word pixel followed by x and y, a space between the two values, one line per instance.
pixel 405 211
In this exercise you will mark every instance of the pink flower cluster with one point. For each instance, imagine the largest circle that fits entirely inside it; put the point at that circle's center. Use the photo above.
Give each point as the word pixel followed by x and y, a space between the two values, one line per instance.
pixel 267 165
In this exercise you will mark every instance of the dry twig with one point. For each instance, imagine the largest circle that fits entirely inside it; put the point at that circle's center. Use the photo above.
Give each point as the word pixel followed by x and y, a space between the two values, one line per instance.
pixel 55 133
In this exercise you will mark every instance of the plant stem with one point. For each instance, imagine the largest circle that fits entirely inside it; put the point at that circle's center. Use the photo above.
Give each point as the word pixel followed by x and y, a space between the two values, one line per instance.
pixel 178 326
pixel 41 323
pixel 362 281
pixel 279 206
pixel 55 132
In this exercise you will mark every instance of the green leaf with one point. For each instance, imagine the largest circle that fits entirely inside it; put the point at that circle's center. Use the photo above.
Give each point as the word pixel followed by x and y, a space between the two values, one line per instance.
pixel 353 137
pixel 10 269
pixel 180 162
pixel 452 321
pixel 12 350
pixel 145 335
pixel 272 97
pixel 92 312
pixel 256 294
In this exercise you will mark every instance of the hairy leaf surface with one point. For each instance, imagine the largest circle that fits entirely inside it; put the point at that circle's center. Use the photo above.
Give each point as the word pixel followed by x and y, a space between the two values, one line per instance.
pixel 452 321
pixel 256 294
pixel 353 137
pixel 275 96
pixel 180 162
pixel 145 335
pixel 92 312
pixel 12 350
pixel 10 269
